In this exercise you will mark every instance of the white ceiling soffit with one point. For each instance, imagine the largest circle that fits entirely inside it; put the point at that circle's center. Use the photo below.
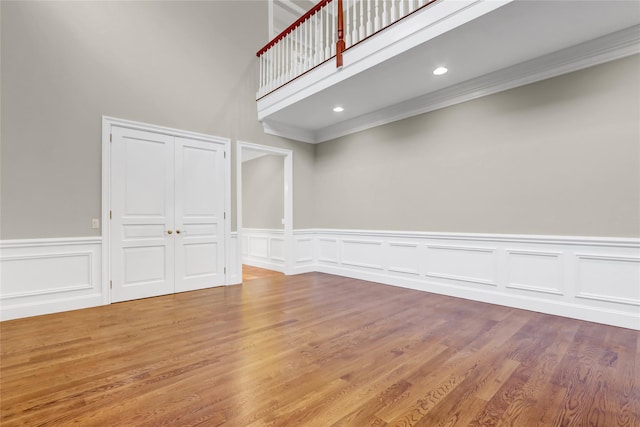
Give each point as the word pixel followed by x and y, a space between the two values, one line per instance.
pixel 488 46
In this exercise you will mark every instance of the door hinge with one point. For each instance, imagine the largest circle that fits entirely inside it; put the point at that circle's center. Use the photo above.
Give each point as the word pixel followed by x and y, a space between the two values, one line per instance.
pixel 225 154
pixel 110 214
pixel 110 137
pixel 224 216
pixel 225 270
pixel 110 284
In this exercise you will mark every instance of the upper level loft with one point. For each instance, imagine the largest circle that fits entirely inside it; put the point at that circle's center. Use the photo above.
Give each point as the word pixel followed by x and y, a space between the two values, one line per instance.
pixel 349 65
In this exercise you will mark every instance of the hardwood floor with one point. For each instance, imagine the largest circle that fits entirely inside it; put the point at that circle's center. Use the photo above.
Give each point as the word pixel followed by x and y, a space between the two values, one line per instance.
pixel 316 350
pixel 250 272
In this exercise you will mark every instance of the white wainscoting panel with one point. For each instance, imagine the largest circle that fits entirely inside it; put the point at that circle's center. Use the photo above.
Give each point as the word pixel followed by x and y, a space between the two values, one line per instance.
pixel 462 263
pixel 593 279
pixel 328 250
pixel 403 257
pixel 363 253
pixel 264 248
pixel 235 261
pixel 303 251
pixel 609 278
pixel 535 271
pixel 42 276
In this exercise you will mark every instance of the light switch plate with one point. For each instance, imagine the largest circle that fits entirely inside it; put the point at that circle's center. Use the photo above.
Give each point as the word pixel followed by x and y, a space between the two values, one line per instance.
pixel 95 223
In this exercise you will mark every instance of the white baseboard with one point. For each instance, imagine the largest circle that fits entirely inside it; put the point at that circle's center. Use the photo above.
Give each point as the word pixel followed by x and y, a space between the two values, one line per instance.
pixel 42 276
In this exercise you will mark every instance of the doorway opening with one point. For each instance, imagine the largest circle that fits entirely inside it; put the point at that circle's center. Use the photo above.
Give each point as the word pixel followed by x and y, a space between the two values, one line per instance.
pixel 264 178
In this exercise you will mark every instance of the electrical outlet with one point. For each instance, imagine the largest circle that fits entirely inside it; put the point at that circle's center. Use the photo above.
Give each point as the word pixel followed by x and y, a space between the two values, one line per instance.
pixel 95 223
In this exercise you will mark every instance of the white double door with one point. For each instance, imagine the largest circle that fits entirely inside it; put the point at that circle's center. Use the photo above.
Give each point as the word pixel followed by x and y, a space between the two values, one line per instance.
pixel 167 214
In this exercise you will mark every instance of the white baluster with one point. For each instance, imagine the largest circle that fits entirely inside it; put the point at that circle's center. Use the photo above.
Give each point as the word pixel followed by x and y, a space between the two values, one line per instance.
pixel 376 21
pixel 369 18
pixel 334 26
pixel 268 61
pixel 385 14
pixel 421 3
pixel 280 62
pixel 265 72
pixel 285 60
pixel 309 44
pixel 411 6
pixel 276 57
pixel 259 75
pixel 303 28
pixel 318 44
pixel 361 32
pixel 287 57
pixel 299 42
pixel 392 12
pixel 354 22
pixel 324 33
pixel 347 23
pixel 314 40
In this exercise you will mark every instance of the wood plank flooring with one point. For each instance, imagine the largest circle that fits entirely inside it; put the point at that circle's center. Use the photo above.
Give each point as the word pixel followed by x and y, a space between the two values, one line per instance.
pixel 315 350
pixel 250 272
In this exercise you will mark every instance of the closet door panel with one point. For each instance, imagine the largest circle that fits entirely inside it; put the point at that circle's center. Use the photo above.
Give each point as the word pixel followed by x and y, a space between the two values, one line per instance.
pixel 199 213
pixel 142 207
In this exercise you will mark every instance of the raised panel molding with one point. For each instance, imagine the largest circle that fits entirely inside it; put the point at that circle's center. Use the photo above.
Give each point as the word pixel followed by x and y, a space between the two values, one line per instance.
pixel 609 278
pixel 363 253
pixel 463 263
pixel 403 258
pixel 42 276
pixel 535 271
pixel 304 250
pixel 328 250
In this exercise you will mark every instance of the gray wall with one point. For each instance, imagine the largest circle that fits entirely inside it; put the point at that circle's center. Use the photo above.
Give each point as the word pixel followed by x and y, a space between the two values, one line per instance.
pixel 558 157
pixel 188 65
pixel 263 192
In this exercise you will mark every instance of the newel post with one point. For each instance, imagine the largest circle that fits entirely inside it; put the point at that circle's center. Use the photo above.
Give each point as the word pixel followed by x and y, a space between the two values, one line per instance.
pixel 340 46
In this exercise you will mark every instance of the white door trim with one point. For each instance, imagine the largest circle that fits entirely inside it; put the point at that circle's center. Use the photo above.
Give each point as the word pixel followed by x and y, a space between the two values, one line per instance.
pixel 107 124
pixel 288 198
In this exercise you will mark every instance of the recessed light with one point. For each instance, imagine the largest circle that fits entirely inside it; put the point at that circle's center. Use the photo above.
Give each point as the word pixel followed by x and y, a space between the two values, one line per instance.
pixel 338 109
pixel 440 71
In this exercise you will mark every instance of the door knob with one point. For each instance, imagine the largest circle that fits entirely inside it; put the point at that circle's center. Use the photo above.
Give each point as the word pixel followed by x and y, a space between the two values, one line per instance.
pixel 169 231
pixel 177 231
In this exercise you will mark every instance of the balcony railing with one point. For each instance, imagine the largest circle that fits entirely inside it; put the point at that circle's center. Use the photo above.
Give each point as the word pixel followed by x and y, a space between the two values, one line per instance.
pixel 324 32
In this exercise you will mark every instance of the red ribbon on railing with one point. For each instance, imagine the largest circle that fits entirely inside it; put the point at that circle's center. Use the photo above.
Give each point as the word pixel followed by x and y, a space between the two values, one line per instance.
pixel 293 26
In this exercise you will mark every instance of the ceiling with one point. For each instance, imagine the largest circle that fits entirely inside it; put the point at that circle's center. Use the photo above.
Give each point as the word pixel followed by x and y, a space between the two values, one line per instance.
pixel 516 33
